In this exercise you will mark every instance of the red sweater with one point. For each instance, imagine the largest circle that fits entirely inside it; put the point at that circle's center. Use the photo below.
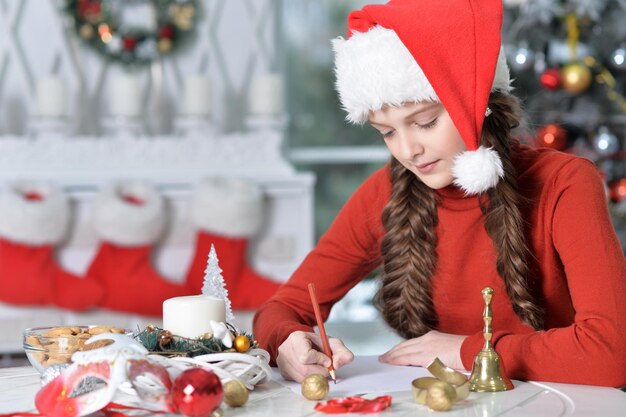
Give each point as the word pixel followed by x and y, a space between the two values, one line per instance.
pixel 579 269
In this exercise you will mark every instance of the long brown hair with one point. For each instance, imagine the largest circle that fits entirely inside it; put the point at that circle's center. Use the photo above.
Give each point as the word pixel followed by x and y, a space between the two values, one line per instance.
pixel 409 245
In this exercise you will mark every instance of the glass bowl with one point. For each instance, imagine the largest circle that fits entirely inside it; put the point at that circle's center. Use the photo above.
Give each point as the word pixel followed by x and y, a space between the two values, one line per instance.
pixel 55 345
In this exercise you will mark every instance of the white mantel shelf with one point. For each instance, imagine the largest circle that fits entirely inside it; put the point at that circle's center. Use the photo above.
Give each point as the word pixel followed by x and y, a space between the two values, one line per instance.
pixel 166 160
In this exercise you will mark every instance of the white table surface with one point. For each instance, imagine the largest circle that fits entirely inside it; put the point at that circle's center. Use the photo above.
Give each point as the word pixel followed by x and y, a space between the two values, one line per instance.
pixel 18 387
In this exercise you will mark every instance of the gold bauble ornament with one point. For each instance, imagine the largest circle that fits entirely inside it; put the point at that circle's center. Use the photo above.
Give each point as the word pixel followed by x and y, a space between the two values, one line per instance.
pixel 165 338
pixel 457 380
pixel 86 32
pixel 420 388
pixel 440 396
pixel 242 343
pixel 315 387
pixel 182 16
pixel 235 393
pixel 576 78
pixel 440 393
pixel 165 45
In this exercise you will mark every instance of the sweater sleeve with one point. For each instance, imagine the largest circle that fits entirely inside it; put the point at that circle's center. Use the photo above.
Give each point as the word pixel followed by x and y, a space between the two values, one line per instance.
pixel 345 254
pixel 592 350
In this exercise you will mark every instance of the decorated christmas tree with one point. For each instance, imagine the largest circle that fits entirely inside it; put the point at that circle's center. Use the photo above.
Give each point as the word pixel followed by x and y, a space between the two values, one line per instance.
pixel 568 59
pixel 214 284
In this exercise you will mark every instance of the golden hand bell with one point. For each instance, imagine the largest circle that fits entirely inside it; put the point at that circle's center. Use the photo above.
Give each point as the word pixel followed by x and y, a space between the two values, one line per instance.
pixel 488 372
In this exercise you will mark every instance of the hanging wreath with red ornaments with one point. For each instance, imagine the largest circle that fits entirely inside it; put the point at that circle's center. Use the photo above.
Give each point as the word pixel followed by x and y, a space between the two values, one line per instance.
pixel 133 32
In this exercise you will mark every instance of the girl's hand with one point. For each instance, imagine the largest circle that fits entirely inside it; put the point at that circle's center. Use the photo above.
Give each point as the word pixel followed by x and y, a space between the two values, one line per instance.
pixel 301 355
pixel 421 351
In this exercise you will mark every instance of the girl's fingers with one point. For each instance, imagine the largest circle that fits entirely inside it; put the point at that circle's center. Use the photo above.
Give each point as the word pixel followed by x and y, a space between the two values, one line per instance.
pixel 315 357
pixel 341 354
pixel 302 355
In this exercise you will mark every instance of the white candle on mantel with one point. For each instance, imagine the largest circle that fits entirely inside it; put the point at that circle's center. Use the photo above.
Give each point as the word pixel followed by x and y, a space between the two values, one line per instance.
pixel 198 97
pixel 191 316
pixel 125 96
pixel 51 96
pixel 266 95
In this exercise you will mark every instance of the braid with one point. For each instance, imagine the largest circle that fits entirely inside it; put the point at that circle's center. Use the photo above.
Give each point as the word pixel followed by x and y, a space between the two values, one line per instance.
pixel 408 250
pixel 503 220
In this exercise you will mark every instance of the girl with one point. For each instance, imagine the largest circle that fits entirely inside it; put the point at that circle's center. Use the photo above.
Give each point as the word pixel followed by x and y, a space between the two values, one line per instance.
pixel 461 206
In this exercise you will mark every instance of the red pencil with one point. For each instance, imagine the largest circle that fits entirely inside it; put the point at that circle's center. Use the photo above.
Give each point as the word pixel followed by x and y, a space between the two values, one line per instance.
pixel 320 325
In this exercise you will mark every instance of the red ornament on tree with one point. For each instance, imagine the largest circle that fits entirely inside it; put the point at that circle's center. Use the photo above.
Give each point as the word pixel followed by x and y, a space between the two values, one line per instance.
pixel 552 136
pixel 129 43
pixel 166 32
pixel 617 191
pixel 90 9
pixel 197 392
pixel 551 79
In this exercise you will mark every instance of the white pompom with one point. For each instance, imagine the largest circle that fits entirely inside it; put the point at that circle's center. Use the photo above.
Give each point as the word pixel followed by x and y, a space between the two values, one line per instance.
pixel 477 171
pixel 119 220
pixel 40 221
pixel 230 207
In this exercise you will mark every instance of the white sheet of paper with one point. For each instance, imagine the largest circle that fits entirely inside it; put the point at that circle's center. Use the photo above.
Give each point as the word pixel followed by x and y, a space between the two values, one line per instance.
pixel 365 375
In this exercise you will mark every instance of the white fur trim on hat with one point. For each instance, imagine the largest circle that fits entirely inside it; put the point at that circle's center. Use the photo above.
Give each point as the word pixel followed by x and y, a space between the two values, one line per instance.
pixel 477 171
pixel 125 223
pixel 227 206
pixel 34 222
pixel 375 69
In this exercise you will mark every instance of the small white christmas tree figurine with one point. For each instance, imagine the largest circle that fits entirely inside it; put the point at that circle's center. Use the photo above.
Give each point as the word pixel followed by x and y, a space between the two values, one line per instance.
pixel 214 284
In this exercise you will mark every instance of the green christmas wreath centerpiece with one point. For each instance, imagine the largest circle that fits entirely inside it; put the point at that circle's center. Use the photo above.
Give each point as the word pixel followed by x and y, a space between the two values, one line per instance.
pixel 100 23
pixel 163 342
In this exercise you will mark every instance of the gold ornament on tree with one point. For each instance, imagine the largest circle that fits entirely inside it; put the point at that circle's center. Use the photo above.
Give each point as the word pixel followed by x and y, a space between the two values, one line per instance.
pixel 580 73
pixel 183 15
pixel 165 45
pixel 86 32
pixel 576 77
pixel 315 387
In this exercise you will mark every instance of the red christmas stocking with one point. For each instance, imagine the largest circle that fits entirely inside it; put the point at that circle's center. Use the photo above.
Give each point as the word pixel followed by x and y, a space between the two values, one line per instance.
pixel 227 213
pixel 129 218
pixel 33 219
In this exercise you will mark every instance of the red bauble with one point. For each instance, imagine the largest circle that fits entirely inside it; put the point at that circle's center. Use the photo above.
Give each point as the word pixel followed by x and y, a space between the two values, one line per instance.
pixel 166 32
pixel 197 392
pixel 129 43
pixel 551 79
pixel 89 9
pixel 617 191
pixel 552 136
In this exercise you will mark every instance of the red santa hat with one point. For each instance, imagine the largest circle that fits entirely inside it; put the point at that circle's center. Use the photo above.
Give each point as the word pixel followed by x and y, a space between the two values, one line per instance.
pixel 447 51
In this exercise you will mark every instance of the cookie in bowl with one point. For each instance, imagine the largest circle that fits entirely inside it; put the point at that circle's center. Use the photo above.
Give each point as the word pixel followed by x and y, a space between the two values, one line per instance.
pixel 46 346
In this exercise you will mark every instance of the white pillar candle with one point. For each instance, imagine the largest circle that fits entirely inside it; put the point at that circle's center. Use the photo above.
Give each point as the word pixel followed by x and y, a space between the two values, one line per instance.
pixel 197 98
pixel 190 316
pixel 266 95
pixel 51 96
pixel 125 96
